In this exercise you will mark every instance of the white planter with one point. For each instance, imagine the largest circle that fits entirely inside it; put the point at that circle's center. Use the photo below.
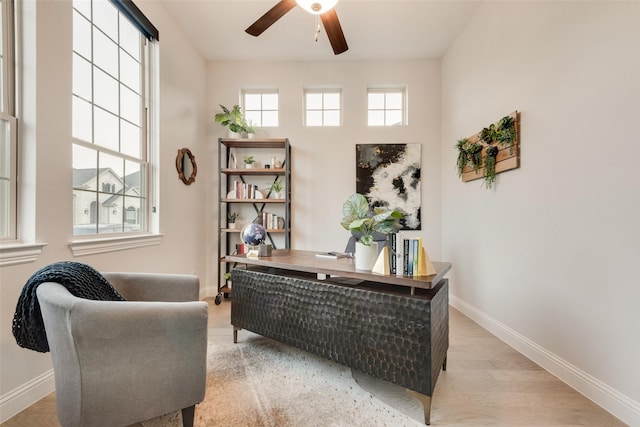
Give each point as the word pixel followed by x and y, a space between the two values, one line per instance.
pixel 366 256
pixel 232 225
pixel 251 135
pixel 233 134
pixel 248 165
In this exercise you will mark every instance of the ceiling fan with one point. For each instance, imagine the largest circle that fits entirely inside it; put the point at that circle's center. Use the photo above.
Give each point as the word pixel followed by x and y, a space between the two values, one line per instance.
pixel 323 8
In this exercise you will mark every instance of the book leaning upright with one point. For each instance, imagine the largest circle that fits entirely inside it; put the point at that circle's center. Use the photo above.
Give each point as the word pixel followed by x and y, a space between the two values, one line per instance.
pixel 399 254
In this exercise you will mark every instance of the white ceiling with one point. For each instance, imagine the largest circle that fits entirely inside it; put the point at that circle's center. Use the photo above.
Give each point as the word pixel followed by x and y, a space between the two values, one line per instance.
pixel 374 29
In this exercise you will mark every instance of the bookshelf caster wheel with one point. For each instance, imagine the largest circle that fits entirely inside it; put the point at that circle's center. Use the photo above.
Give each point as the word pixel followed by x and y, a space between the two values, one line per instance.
pixel 218 299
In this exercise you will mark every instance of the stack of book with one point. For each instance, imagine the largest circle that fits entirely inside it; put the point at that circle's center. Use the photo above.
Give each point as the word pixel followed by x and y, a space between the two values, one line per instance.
pixel 407 257
pixel 246 191
pixel 270 221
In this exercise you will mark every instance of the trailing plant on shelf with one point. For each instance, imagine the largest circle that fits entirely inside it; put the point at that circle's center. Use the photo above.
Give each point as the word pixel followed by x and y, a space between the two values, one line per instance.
pixel 469 153
pixel 233 118
pixel 359 217
pixel 506 132
pixel 490 166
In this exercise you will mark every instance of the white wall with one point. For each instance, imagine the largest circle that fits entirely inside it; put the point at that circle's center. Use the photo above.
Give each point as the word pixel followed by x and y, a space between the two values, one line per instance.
pixel 550 259
pixel 24 374
pixel 323 164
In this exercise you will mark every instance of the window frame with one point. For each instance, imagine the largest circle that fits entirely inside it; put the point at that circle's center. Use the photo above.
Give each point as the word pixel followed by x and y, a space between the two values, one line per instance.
pixel 8 115
pixel 148 147
pixel 250 114
pixel 387 90
pixel 322 110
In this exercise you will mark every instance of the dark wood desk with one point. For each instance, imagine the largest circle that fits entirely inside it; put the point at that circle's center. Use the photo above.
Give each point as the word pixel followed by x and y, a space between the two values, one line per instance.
pixel 393 328
pixel 299 260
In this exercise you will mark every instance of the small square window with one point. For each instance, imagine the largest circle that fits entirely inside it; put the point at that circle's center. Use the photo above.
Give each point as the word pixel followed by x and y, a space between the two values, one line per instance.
pixel 323 107
pixel 261 107
pixel 386 107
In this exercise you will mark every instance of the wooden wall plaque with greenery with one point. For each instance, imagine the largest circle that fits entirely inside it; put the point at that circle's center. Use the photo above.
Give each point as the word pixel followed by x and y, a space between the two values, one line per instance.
pixel 494 149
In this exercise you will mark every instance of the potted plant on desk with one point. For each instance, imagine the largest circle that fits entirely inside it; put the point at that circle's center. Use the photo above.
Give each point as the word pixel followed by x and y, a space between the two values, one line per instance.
pixel 359 217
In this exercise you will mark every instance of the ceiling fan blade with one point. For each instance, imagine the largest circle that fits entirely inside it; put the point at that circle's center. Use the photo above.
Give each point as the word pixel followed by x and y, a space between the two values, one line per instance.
pixel 334 31
pixel 272 15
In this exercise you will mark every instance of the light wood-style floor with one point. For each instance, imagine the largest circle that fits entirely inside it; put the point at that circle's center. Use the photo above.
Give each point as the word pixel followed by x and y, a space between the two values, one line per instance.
pixel 486 383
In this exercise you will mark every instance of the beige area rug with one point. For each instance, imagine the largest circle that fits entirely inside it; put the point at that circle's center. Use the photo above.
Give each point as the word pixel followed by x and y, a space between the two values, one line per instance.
pixel 259 382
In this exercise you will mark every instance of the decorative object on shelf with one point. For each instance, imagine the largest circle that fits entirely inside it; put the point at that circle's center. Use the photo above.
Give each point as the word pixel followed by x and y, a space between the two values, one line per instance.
pixel 276 189
pixel 389 175
pixel 254 235
pixel 250 129
pixel 233 118
pixel 231 219
pixel 233 162
pixel 249 162
pixel 186 166
pixel 227 279
pixel 359 217
pixel 495 149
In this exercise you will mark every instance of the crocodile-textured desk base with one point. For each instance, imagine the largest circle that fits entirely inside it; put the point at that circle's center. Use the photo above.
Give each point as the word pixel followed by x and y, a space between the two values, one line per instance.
pixel 380 330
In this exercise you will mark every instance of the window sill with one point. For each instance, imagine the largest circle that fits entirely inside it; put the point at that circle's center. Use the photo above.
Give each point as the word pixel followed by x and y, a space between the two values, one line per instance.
pixel 113 244
pixel 20 253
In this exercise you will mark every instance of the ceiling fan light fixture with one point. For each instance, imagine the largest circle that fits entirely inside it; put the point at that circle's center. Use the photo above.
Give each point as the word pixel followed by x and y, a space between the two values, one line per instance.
pixel 317 7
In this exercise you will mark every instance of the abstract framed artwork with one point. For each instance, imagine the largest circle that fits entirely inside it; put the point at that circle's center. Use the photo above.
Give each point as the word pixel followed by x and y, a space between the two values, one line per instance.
pixel 389 175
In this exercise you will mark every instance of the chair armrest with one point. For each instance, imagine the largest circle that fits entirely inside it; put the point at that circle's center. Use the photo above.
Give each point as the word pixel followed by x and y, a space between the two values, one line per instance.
pixel 155 286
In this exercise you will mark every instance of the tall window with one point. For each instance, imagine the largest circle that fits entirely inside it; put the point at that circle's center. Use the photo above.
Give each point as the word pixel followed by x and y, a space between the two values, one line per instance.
pixel 386 107
pixel 322 107
pixel 8 123
pixel 261 107
pixel 110 97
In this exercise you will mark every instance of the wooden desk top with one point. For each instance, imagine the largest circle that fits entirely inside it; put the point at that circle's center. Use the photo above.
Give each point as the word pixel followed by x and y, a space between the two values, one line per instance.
pixel 307 261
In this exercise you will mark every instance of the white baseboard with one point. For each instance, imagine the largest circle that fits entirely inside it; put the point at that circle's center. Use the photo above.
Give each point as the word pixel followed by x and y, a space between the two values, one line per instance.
pixel 26 395
pixel 618 404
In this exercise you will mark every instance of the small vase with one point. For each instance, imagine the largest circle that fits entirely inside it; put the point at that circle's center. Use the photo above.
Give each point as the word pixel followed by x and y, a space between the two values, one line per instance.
pixel 233 134
pixel 248 165
pixel 232 225
pixel 366 256
pixel 251 135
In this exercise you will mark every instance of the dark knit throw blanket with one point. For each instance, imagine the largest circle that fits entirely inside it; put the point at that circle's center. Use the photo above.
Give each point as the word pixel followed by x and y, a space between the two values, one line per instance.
pixel 81 280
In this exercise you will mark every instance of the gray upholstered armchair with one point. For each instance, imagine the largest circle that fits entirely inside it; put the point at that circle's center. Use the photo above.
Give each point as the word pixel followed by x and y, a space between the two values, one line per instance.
pixel 121 362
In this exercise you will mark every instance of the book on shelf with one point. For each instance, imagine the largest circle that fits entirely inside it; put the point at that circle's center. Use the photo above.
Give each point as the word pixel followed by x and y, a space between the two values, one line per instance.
pixel 244 190
pixel 332 255
pixel 271 221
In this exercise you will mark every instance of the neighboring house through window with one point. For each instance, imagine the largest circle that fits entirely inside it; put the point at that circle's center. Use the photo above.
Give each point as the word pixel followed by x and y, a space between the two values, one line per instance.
pixel 322 107
pixel 386 106
pixel 111 80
